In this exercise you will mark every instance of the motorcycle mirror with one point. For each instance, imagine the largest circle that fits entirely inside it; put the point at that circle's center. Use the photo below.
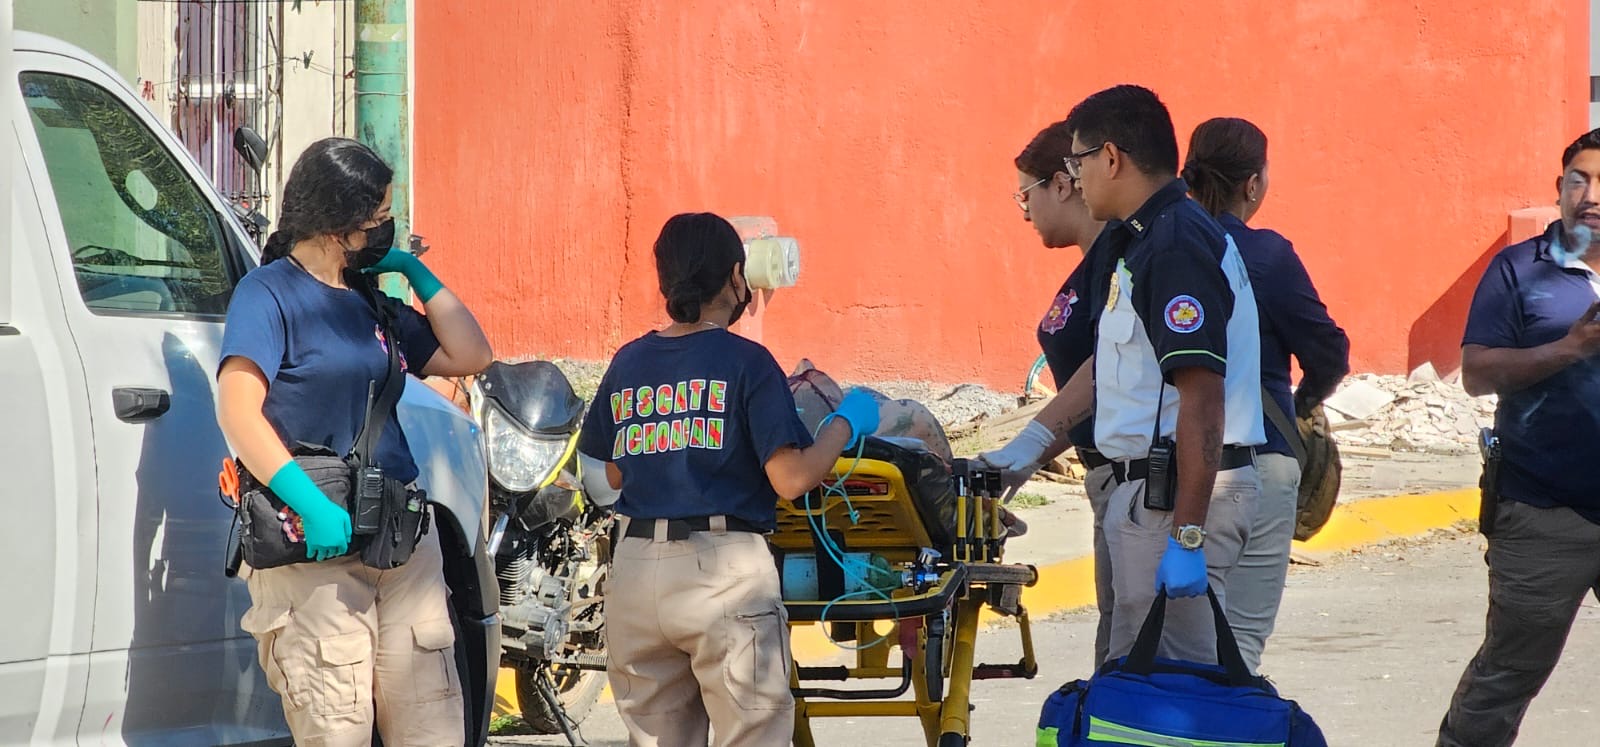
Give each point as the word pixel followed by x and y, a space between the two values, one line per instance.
pixel 251 147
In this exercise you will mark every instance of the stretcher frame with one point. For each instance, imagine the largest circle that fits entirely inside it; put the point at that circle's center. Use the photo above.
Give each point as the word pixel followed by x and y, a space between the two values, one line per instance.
pixel 934 626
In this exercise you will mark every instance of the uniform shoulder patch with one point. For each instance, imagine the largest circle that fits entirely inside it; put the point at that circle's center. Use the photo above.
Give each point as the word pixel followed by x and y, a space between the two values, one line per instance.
pixel 1060 311
pixel 1184 314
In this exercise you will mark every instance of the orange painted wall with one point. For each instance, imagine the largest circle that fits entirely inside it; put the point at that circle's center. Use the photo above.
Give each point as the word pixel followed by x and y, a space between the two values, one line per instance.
pixel 553 139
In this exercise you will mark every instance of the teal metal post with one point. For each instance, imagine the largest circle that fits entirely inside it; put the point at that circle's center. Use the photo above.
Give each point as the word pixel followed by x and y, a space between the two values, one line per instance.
pixel 383 114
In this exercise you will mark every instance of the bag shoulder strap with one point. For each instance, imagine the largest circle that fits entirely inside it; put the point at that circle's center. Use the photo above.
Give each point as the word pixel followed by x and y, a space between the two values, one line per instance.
pixel 1285 425
pixel 381 404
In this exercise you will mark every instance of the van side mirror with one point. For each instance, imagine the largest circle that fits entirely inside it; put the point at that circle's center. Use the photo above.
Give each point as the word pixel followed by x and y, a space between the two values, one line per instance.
pixel 251 147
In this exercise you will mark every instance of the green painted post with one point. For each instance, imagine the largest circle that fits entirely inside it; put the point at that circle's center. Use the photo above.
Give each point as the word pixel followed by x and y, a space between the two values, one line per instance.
pixel 383 96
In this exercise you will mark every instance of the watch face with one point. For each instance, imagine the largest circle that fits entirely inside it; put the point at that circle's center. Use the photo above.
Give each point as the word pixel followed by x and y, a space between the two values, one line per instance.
pixel 1191 537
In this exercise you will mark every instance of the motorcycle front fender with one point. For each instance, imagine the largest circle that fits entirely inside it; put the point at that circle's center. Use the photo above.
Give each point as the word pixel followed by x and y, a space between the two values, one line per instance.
pixel 453 463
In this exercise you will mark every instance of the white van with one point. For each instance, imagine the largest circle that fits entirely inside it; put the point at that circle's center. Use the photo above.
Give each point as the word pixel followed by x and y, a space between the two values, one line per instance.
pixel 119 625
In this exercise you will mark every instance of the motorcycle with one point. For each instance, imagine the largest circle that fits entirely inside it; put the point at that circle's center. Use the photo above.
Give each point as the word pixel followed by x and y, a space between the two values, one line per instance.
pixel 550 542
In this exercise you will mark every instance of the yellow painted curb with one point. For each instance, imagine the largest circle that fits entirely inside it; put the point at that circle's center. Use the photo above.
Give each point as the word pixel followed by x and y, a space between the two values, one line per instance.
pixel 505 694
pixel 1378 519
pixel 1069 584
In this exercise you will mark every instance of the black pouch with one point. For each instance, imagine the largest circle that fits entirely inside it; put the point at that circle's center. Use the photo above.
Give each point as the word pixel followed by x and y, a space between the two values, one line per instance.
pixel 270 533
pixel 404 522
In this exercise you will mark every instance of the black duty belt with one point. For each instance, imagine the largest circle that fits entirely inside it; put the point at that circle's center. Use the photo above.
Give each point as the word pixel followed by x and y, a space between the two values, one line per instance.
pixel 1092 459
pixel 679 529
pixel 1233 457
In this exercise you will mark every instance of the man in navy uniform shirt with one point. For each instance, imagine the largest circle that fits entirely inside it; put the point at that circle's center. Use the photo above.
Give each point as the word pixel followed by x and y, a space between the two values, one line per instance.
pixel 1177 361
pixel 1532 338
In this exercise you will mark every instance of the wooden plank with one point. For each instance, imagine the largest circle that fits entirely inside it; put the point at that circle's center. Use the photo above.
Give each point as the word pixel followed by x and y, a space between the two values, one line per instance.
pixel 1365 452
pixel 1013 420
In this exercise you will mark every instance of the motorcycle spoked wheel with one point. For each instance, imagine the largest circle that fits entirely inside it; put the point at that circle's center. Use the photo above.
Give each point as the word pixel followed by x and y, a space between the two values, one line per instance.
pixel 577 689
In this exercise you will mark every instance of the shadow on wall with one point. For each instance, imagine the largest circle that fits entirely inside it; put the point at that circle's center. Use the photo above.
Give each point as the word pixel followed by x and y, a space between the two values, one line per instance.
pixel 1436 335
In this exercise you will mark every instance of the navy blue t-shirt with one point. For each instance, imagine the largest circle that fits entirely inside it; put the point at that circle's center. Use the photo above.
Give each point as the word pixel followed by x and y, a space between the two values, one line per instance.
pixel 1066 334
pixel 691 421
pixel 1549 431
pixel 320 348
pixel 1294 321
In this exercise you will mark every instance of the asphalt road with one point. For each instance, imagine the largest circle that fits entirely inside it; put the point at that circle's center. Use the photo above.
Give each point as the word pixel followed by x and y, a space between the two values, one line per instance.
pixel 1371 644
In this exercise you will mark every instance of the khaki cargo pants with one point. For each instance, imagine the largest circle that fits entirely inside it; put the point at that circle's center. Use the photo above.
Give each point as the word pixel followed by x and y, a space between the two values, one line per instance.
pixel 698 641
pixel 346 645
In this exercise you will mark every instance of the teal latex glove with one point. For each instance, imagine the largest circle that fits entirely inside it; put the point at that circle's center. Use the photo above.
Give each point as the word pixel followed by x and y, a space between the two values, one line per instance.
pixel 860 410
pixel 1182 572
pixel 421 278
pixel 327 525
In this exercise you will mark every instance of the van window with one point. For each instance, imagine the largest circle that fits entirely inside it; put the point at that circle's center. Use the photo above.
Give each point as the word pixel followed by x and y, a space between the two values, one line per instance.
pixel 144 239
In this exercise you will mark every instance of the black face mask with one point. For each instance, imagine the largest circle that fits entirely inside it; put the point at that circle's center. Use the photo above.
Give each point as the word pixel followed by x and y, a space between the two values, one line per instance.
pixel 380 239
pixel 738 308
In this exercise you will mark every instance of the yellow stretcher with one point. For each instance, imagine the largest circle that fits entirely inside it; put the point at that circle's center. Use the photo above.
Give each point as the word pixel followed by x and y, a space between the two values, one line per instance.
pixel 950 549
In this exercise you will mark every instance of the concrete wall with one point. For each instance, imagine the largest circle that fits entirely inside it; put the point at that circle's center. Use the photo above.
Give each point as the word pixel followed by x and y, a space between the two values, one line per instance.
pixel 317 101
pixel 106 28
pixel 552 140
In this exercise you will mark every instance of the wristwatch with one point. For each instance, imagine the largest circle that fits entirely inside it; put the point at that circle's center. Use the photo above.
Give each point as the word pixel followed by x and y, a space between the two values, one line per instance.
pixel 1189 536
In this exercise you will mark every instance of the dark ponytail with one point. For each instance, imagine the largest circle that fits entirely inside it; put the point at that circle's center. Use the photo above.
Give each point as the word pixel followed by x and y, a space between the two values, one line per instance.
pixel 1223 154
pixel 696 254
pixel 336 185
pixel 278 246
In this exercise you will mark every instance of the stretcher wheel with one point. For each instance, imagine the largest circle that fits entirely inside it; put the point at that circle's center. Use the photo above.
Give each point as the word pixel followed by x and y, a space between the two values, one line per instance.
pixel 952 739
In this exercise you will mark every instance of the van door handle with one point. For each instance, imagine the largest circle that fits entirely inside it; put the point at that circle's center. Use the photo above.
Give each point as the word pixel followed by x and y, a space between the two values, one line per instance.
pixel 7 330
pixel 139 404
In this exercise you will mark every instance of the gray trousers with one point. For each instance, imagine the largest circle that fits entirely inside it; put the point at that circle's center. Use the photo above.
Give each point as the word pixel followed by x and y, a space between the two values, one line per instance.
pixel 1099 484
pixel 1136 537
pixel 1255 585
pixel 1542 561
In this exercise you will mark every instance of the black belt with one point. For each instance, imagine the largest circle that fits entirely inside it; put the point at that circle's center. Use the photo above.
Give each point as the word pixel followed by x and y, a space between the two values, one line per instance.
pixel 1091 458
pixel 1233 457
pixel 679 529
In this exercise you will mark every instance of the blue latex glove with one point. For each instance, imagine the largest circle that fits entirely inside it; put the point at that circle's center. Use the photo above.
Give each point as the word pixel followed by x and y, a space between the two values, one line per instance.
pixel 1182 572
pixel 421 278
pixel 860 410
pixel 327 525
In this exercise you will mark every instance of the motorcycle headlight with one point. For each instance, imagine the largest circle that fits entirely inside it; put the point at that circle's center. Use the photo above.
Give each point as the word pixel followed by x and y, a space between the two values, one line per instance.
pixel 518 461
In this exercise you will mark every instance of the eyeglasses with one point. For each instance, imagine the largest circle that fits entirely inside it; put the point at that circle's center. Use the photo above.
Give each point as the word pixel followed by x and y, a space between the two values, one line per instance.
pixel 1021 196
pixel 1074 162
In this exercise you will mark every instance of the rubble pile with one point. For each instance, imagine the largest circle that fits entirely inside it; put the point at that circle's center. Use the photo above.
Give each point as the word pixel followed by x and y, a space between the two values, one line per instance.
pixel 1419 413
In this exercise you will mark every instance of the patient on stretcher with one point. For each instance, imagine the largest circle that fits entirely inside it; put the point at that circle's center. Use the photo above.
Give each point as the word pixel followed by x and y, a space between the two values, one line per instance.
pixel 914 441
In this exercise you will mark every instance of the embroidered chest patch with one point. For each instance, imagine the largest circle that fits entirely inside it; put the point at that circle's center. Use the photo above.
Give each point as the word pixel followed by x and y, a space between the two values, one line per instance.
pixel 1060 311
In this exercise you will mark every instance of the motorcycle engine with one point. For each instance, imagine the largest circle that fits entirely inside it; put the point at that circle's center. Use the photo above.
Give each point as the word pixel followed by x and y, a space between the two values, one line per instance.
pixel 543 614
